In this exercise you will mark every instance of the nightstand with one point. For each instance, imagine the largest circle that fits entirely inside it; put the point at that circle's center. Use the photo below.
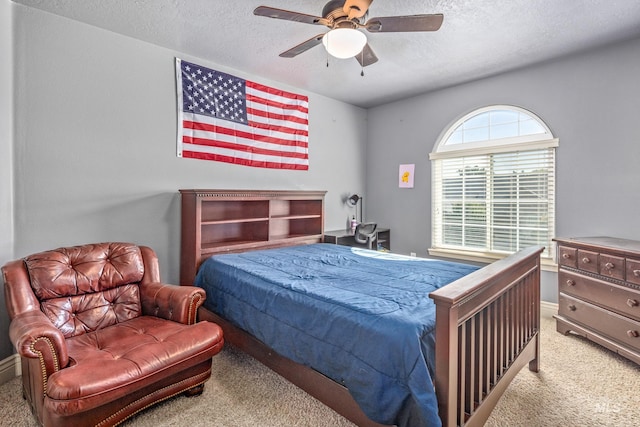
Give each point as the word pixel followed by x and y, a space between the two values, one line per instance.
pixel 345 237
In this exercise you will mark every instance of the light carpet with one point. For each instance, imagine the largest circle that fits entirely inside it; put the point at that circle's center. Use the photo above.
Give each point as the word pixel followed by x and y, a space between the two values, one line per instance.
pixel 579 384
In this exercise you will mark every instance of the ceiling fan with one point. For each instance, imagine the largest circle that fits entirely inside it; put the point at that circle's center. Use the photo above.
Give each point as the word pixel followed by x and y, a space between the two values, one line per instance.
pixel 346 18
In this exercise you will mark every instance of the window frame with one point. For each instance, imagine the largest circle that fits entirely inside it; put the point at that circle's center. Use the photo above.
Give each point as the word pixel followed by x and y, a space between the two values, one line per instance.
pixel 441 151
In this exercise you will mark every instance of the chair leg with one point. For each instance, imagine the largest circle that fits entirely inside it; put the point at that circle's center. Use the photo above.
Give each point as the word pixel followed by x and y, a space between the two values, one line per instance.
pixel 195 391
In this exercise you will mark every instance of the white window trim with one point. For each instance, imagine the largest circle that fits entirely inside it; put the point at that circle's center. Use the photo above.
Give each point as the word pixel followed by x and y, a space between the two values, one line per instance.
pixel 512 144
pixel 547 264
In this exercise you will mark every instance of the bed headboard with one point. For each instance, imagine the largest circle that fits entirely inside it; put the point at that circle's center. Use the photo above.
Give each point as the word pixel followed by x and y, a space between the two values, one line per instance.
pixel 225 221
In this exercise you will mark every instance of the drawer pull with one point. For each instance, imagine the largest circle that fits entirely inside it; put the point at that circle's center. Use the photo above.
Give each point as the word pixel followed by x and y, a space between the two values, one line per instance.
pixel 566 256
pixel 572 307
pixel 570 282
pixel 609 266
pixel 636 273
pixel 633 334
pixel 586 260
pixel 632 302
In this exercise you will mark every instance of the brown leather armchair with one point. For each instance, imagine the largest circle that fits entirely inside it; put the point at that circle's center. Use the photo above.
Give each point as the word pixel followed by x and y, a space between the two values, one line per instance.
pixel 100 337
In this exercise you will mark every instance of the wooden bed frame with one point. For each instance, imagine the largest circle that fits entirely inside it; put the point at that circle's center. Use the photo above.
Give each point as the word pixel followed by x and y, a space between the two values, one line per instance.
pixel 487 330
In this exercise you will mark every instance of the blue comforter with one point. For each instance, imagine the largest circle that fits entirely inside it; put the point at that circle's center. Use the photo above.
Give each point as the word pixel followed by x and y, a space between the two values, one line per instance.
pixel 362 318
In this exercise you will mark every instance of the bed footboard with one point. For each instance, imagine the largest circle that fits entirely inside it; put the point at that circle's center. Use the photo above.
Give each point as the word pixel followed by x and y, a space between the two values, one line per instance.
pixel 487 329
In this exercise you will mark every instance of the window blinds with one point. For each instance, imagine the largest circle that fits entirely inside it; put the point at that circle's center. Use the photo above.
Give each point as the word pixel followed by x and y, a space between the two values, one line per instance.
pixel 497 202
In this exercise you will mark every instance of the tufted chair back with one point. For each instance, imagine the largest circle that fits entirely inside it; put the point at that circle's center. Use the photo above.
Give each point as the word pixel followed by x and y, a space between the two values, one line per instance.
pixel 85 288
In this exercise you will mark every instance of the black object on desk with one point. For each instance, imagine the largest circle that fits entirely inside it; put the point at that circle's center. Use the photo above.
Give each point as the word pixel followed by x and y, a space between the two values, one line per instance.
pixel 346 238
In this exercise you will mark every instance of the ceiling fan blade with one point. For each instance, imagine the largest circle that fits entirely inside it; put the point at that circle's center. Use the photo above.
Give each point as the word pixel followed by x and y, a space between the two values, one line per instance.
pixel 367 56
pixel 302 47
pixel 288 15
pixel 397 24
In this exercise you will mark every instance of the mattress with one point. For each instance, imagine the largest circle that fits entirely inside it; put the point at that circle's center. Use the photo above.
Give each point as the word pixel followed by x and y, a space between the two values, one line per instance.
pixel 362 318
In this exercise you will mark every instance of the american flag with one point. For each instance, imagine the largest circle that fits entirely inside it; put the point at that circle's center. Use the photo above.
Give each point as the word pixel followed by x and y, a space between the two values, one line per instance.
pixel 228 119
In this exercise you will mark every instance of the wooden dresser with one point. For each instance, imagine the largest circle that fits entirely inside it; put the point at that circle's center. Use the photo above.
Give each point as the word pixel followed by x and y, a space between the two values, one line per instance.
pixel 224 221
pixel 599 292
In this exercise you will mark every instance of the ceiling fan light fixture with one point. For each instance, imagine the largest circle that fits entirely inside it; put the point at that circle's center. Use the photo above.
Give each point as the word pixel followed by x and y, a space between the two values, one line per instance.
pixel 344 42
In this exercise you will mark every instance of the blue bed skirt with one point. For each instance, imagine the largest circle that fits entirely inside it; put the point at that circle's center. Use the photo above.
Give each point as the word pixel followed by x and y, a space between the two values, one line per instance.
pixel 360 317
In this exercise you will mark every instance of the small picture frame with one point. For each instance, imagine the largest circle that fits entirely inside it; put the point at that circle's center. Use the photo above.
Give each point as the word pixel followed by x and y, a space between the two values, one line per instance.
pixel 405 178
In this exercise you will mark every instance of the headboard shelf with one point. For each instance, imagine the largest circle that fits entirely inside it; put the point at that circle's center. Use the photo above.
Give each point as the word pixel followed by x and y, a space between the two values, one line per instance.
pixel 222 221
pixel 234 220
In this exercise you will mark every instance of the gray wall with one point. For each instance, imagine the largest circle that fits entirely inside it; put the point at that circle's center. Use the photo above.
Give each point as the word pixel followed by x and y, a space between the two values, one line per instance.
pixel 590 101
pixel 95 144
pixel 88 145
pixel 6 148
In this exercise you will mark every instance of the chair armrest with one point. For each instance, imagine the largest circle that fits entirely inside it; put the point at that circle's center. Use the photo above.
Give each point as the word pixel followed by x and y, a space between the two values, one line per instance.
pixel 171 302
pixel 34 336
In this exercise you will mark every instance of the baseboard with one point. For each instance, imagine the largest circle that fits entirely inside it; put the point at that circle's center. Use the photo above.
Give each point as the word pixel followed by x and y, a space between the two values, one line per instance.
pixel 548 309
pixel 10 368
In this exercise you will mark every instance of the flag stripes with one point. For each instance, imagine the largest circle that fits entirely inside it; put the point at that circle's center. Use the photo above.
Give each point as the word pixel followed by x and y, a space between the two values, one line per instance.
pixel 224 118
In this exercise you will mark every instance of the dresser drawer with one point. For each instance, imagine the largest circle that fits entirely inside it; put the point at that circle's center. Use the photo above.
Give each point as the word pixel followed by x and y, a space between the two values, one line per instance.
pixel 611 266
pixel 588 261
pixel 622 300
pixel 633 271
pixel 567 256
pixel 621 329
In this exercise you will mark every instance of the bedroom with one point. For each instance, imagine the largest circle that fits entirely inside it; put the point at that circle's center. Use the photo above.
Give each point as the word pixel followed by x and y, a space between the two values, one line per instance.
pixel 74 174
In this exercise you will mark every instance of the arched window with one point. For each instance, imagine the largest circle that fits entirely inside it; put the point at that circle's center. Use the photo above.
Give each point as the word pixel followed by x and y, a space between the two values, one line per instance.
pixel 493 185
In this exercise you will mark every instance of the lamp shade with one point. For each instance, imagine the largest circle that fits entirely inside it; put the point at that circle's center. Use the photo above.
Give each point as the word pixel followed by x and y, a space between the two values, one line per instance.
pixel 344 42
pixel 353 200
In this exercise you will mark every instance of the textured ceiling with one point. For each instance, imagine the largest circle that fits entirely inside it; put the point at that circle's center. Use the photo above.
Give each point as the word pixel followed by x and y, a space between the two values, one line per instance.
pixel 478 38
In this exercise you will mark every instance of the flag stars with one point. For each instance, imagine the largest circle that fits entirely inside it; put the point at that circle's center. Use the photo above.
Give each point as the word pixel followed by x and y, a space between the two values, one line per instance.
pixel 213 93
